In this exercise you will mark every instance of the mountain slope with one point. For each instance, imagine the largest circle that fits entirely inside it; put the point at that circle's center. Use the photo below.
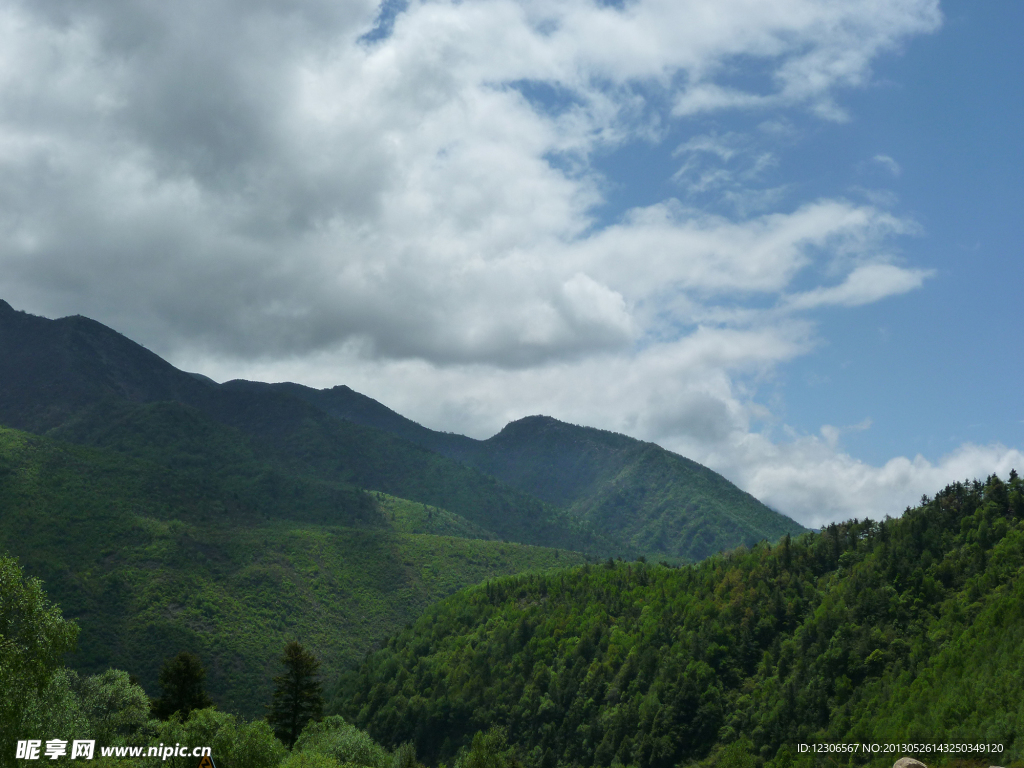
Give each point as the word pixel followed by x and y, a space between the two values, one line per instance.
pixel 658 502
pixel 55 368
pixel 894 632
pixel 149 562
pixel 557 484
pixel 83 382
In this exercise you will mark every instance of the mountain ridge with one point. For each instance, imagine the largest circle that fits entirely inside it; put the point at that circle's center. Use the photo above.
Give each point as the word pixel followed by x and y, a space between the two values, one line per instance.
pixel 538 480
pixel 598 475
pixel 74 375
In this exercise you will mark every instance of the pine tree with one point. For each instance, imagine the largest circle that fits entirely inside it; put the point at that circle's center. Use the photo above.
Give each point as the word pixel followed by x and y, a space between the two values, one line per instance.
pixel 181 680
pixel 297 697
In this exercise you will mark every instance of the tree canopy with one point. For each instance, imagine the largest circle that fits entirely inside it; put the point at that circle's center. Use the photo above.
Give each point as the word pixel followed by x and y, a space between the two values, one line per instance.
pixel 34 637
pixel 898 630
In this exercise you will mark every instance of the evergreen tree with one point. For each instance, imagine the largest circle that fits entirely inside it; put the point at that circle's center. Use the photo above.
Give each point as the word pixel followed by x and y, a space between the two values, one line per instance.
pixel 298 697
pixel 181 680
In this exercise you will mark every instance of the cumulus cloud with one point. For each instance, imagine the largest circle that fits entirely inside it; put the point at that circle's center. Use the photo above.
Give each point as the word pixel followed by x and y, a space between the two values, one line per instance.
pixel 824 484
pixel 266 178
pixel 286 190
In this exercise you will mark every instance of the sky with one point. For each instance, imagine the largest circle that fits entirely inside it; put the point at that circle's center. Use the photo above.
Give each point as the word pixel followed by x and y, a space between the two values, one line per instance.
pixel 782 239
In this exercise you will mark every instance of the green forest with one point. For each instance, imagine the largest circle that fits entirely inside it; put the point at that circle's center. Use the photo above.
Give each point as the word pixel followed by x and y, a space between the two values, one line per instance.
pixel 150 561
pixel 903 630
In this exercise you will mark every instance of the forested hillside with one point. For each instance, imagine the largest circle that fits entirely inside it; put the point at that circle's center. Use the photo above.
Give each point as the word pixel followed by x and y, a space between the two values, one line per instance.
pixel 905 630
pixel 231 561
pixel 49 712
pixel 647 499
pixel 80 381
pixel 662 504
pixel 539 481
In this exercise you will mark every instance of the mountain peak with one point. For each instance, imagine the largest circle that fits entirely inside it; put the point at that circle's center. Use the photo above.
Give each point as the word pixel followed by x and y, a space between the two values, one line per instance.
pixel 55 368
pixel 538 421
pixel 549 428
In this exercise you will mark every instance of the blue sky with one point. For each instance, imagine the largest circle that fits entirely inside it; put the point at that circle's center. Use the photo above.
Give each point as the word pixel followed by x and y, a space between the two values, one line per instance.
pixel 779 238
pixel 938 367
pixel 939 131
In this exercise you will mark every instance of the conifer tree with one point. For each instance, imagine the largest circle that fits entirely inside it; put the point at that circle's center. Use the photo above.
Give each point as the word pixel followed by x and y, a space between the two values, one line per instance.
pixel 298 696
pixel 182 682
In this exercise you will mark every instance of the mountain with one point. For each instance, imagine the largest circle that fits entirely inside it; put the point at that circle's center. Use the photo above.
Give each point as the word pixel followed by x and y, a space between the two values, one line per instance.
pixel 655 501
pixel 898 632
pixel 53 369
pixel 230 564
pixel 80 381
pixel 345 403
pixel 539 481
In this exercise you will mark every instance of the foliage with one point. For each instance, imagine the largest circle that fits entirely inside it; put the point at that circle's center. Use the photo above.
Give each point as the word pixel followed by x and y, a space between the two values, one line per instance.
pixel 52 712
pixel 342 743
pixel 50 701
pixel 903 630
pixel 413 517
pixel 116 708
pixel 182 680
pixel 34 637
pixel 310 760
pixel 150 562
pixel 42 699
pixel 489 749
pixel 234 743
pixel 298 696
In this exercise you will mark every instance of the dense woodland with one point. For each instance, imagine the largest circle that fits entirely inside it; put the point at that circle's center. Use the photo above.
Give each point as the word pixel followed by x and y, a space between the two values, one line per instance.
pixel 901 630
pixel 896 630
pixel 151 560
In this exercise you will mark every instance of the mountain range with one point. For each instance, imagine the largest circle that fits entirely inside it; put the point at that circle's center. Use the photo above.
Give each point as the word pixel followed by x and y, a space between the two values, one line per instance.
pixel 537 481
pixel 168 512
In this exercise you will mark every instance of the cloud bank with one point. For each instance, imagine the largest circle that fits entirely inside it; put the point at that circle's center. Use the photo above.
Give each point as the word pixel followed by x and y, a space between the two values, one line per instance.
pixel 411 204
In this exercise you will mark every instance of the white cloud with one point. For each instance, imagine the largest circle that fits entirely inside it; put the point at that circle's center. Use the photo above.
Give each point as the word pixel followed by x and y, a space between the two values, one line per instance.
pixel 864 285
pixel 259 177
pixel 255 189
pixel 821 484
pixel 686 386
pixel 888 163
